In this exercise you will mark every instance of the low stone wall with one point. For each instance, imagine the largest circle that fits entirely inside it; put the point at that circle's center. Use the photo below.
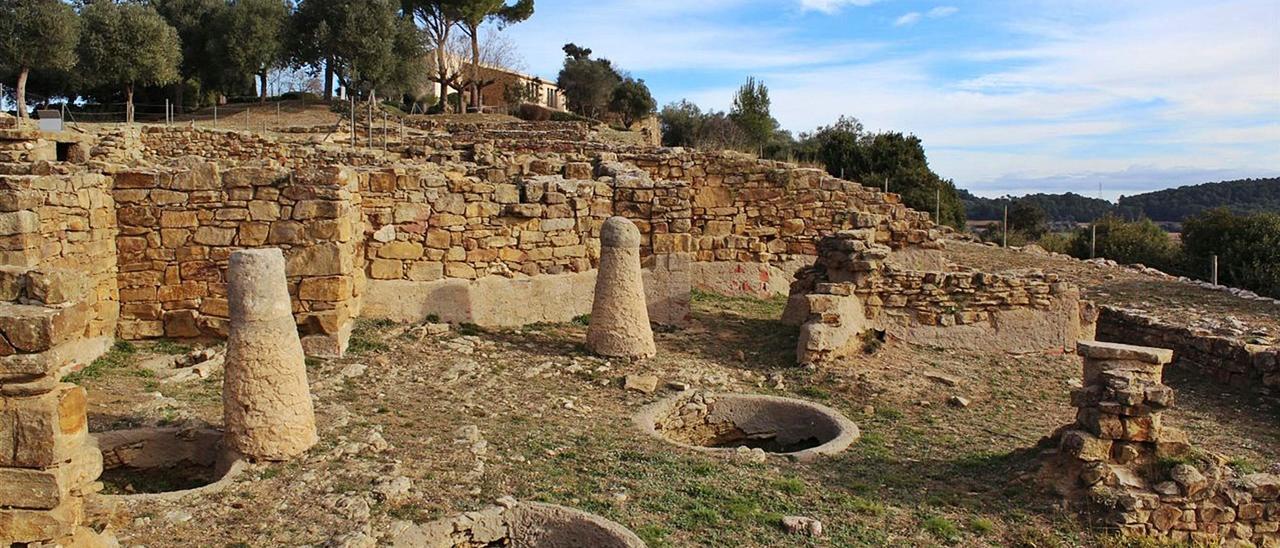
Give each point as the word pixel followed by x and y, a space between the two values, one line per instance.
pixel 852 290
pixel 179 225
pixel 1224 359
pixel 1141 476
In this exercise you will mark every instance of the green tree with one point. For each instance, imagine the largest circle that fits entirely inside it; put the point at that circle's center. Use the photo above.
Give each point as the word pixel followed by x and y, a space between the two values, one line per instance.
pixel 254 39
pixel 588 83
pixel 751 112
pixel 680 122
pixel 439 18
pixel 1247 247
pixel 36 34
pixel 632 100
pixel 1028 218
pixel 369 45
pixel 900 159
pixel 200 24
pixel 128 45
pixel 475 13
pixel 1129 242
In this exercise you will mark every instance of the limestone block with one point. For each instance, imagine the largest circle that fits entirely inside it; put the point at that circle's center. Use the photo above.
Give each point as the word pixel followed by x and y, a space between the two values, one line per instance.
pixel 43 430
pixel 1115 351
pixel 619 317
pixel 19 222
pixel 34 329
pixel 28 526
pixel 328 288
pixel 45 489
pixel 401 250
pixel 267 409
pixel 56 286
pixel 326 259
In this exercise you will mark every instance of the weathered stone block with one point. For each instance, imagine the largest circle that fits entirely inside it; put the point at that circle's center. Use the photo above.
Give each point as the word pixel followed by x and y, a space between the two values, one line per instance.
pixel 329 288
pixel 19 222
pixel 326 259
pixel 1115 351
pixel 56 286
pixel 26 526
pixel 42 431
pixel 401 250
pixel 45 489
pixel 35 329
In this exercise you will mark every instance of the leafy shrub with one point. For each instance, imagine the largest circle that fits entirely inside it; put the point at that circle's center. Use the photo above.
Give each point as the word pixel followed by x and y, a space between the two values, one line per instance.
pixel 1247 246
pixel 1130 242
pixel 1058 242
pixel 534 113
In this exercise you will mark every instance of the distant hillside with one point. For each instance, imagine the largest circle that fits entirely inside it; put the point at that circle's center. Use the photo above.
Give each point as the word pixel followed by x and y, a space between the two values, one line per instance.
pixel 1172 205
pixel 1176 204
pixel 1069 207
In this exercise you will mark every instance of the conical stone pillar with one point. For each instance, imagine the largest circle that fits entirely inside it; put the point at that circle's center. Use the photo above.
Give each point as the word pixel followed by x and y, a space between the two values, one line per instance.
pixel 619 317
pixel 266 402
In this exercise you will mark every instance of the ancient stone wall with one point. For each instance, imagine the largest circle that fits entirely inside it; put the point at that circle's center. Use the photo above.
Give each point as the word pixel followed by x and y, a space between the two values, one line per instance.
pixel 1141 476
pixel 853 289
pixel 178 226
pixel 58 310
pixel 1227 360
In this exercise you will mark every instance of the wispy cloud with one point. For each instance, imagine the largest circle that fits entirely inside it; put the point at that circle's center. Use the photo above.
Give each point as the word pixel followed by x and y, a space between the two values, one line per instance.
pixel 913 17
pixel 1028 94
pixel 909 18
pixel 832 6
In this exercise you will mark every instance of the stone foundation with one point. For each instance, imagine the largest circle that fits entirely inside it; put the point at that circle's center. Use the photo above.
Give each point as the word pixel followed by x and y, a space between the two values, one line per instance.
pixel 1121 460
pixel 854 288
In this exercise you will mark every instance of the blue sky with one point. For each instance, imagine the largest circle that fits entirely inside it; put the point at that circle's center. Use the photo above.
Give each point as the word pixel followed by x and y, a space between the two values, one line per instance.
pixel 1009 96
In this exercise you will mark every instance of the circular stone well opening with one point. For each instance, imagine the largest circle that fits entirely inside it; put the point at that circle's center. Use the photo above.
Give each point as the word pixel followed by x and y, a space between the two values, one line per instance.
pixel 164 462
pixel 525 524
pixel 727 422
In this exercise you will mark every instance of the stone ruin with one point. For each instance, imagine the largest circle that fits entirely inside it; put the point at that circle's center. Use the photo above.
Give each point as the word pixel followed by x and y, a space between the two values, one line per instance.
pixel 619 319
pixel 857 288
pixel 1133 472
pixel 267 406
pixel 129 233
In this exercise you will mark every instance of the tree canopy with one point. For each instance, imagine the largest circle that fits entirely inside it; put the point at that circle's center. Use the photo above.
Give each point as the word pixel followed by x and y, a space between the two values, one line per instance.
pixel 751 112
pixel 632 101
pixel 128 45
pixel 588 83
pixel 36 35
pixel 254 38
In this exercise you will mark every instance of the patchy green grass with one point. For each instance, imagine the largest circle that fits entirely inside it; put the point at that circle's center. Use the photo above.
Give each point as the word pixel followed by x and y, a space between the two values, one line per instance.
pixel 167 346
pixel 120 356
pixel 366 336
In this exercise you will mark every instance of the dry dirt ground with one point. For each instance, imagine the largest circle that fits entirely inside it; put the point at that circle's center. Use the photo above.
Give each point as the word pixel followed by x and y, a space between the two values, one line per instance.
pixel 417 426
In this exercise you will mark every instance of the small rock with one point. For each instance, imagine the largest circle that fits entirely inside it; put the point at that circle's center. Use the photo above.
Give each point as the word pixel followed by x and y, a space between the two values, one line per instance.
pixel 678 386
pixel 177 516
pixel 506 501
pixel 647 384
pixel 393 489
pixel 942 378
pixel 354 539
pixel 800 525
pixel 1167 488
pixel 959 401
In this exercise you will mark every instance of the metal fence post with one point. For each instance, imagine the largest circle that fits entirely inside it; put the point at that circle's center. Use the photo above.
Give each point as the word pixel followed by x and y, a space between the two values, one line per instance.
pixel 1215 270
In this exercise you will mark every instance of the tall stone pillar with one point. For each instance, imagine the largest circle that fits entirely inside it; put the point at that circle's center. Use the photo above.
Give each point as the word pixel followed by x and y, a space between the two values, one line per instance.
pixel 619 317
pixel 267 411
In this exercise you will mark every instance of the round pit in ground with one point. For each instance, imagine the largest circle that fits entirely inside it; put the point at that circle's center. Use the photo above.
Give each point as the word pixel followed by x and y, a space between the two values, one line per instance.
pixel 165 462
pixel 527 524
pixel 730 422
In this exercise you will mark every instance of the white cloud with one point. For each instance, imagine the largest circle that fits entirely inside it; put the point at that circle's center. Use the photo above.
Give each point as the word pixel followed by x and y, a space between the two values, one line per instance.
pixel 1184 86
pixel 832 6
pixel 909 18
pixel 913 17
pixel 942 11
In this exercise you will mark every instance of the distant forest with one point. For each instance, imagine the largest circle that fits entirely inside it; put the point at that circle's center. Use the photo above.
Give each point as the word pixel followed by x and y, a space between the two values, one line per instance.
pixel 1172 205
